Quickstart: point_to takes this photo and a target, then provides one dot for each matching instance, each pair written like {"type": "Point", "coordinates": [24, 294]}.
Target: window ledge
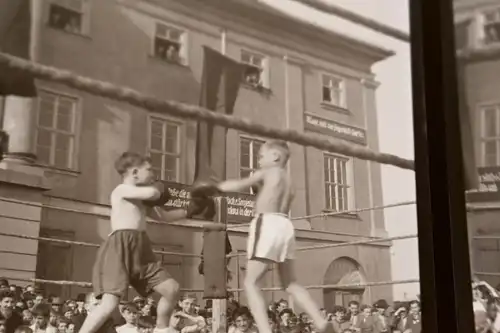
{"type": "Point", "coordinates": [260, 89]}
{"type": "Point", "coordinates": [77, 34]}
{"type": "Point", "coordinates": [61, 171]}
{"type": "Point", "coordinates": [333, 107]}
{"type": "Point", "coordinates": [167, 62]}
{"type": "Point", "coordinates": [352, 216]}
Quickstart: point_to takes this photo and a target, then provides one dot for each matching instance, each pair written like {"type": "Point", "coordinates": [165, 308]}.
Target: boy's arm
{"type": "Point", "coordinates": [236, 185]}
{"type": "Point", "coordinates": [138, 192]}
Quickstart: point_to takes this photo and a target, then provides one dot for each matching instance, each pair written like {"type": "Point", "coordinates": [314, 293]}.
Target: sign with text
{"type": "Point", "coordinates": [240, 206]}
{"type": "Point", "coordinates": [333, 128]}
{"type": "Point", "coordinates": [489, 186]}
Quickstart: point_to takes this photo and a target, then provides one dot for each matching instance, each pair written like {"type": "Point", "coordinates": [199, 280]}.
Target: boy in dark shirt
{"type": "Point", "coordinates": [12, 319]}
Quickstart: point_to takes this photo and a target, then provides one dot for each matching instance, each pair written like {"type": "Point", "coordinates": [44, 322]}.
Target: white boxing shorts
{"type": "Point", "coordinates": [271, 236]}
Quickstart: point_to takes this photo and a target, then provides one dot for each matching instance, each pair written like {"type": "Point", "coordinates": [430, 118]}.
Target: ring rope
{"type": "Point", "coordinates": [342, 244]}
{"type": "Point", "coordinates": [71, 210]}
{"type": "Point", "coordinates": [64, 241]}
{"type": "Point", "coordinates": [82, 284]}
{"type": "Point", "coordinates": [319, 286]}
{"type": "Point", "coordinates": [343, 212]}
{"type": "Point", "coordinates": [186, 111]}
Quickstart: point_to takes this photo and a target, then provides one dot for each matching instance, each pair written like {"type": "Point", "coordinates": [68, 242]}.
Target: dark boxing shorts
{"type": "Point", "coordinates": [126, 259]}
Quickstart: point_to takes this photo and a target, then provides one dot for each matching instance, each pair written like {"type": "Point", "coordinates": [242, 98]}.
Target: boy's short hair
{"type": "Point", "coordinates": [129, 160]}
{"type": "Point", "coordinates": [6, 294]}
{"type": "Point", "coordinates": [130, 307]}
{"type": "Point", "coordinates": [282, 147]}
{"type": "Point", "coordinates": [242, 311]}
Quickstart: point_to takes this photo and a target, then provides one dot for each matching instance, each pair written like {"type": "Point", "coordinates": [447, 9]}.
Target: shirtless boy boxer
{"type": "Point", "coordinates": [272, 235]}
{"type": "Point", "coordinates": [126, 257]}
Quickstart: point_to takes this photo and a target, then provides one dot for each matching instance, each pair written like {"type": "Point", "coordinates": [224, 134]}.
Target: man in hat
{"type": "Point", "coordinates": [56, 305]}
{"type": "Point", "coordinates": [382, 322]}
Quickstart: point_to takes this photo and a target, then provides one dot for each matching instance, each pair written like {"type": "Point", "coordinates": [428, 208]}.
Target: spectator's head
{"type": "Point", "coordinates": [4, 284]}
{"type": "Point", "coordinates": [80, 301]}
{"type": "Point", "coordinates": [139, 301]}
{"type": "Point", "coordinates": [39, 298]}
{"type": "Point", "coordinates": [6, 303]}
{"type": "Point", "coordinates": [30, 289]}
{"type": "Point", "coordinates": [366, 310]}
{"type": "Point", "coordinates": [57, 304]}
{"type": "Point", "coordinates": [150, 301]}
{"type": "Point", "coordinates": [29, 299]}
{"type": "Point", "coordinates": [353, 307]}
{"type": "Point", "coordinates": [339, 313]}
{"type": "Point", "coordinates": [197, 308]}
{"type": "Point", "coordinates": [187, 303]}
{"type": "Point", "coordinates": [62, 325]}
{"type": "Point", "coordinates": [281, 305]}
{"type": "Point", "coordinates": [415, 307]}
{"type": "Point", "coordinates": [20, 306]}
{"type": "Point", "coordinates": [323, 312]}
{"type": "Point", "coordinates": [208, 317]}
{"type": "Point", "coordinates": [242, 319]}
{"type": "Point", "coordinates": [304, 318]}
{"type": "Point", "coordinates": [68, 313]}
{"type": "Point", "coordinates": [41, 314]}
{"type": "Point", "coordinates": [177, 319]}
{"type": "Point", "coordinates": [273, 320]}
{"type": "Point", "coordinates": [71, 304]}
{"type": "Point", "coordinates": [286, 317]}
{"type": "Point", "coordinates": [27, 317]}
{"type": "Point", "coordinates": [91, 302]}
{"type": "Point", "coordinates": [71, 328]}
{"type": "Point", "coordinates": [23, 329]}
{"type": "Point", "coordinates": [3, 323]}
{"type": "Point", "coordinates": [380, 306]}
{"type": "Point", "coordinates": [53, 318]}
{"type": "Point", "coordinates": [130, 312]}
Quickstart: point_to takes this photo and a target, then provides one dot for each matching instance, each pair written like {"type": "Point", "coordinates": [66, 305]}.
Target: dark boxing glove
{"type": "Point", "coordinates": [162, 200]}
{"type": "Point", "coordinates": [204, 189]}
{"type": "Point", "coordinates": [201, 207]}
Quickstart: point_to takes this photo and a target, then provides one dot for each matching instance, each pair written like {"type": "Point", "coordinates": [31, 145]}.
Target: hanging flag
{"type": "Point", "coordinates": [219, 89]}
{"type": "Point", "coordinates": [15, 39]}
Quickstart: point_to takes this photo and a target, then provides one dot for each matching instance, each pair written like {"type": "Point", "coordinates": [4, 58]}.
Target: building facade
{"type": "Point", "coordinates": [478, 44]}
{"type": "Point", "coordinates": [297, 76]}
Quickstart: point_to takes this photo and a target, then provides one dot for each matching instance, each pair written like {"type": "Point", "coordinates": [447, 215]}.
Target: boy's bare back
{"type": "Point", "coordinates": [275, 194]}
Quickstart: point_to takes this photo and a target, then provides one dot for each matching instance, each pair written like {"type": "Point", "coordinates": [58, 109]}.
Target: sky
{"type": "Point", "coordinates": [395, 126]}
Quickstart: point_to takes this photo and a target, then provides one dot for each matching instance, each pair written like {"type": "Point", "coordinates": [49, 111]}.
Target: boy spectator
{"type": "Point", "coordinates": [12, 319]}
{"type": "Point", "coordinates": [129, 312]}
{"type": "Point", "coordinates": [41, 314]}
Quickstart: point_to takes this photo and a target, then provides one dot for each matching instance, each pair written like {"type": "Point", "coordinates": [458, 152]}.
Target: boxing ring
{"type": "Point", "coordinates": [192, 112]}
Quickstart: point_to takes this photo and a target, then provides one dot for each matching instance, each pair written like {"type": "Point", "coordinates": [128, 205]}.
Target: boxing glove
{"type": "Point", "coordinates": [204, 189]}
{"type": "Point", "coordinates": [162, 200]}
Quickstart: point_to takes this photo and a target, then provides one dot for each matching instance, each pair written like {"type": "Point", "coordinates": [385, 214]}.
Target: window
{"type": "Point", "coordinates": [249, 156]}
{"type": "Point", "coordinates": [492, 26]}
{"type": "Point", "coordinates": [164, 148]}
{"type": "Point", "coordinates": [256, 71]}
{"type": "Point", "coordinates": [337, 183]}
{"type": "Point", "coordinates": [490, 136]}
{"type": "Point", "coordinates": [170, 44]}
{"type": "Point", "coordinates": [55, 131]}
{"type": "Point", "coordinates": [333, 90]}
{"type": "Point", "coordinates": [69, 15]}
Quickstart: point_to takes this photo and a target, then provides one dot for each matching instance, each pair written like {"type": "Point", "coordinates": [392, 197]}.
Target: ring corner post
{"type": "Point", "coordinates": [215, 261]}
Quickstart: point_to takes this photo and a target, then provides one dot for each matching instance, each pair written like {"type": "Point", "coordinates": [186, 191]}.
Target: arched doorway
{"type": "Point", "coordinates": [343, 271]}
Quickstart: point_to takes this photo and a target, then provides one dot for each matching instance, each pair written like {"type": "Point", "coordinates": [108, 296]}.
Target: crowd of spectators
{"type": "Point", "coordinates": [27, 310]}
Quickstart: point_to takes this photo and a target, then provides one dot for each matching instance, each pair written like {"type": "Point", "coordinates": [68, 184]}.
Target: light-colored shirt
{"type": "Point", "coordinates": [127, 329]}
{"type": "Point", "coordinates": [48, 329]}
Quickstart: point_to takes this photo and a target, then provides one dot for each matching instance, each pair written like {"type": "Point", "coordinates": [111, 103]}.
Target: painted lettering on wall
{"type": "Point", "coordinates": [240, 206]}
{"type": "Point", "coordinates": [333, 128]}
